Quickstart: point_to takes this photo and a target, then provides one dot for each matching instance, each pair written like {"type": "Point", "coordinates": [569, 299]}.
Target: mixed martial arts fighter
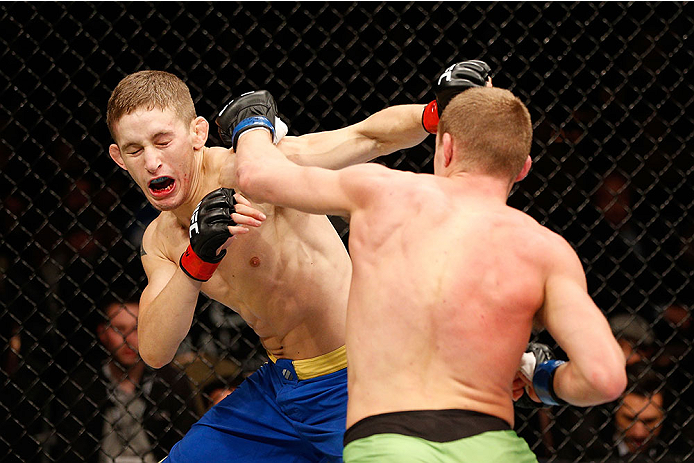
{"type": "Point", "coordinates": [447, 283]}
{"type": "Point", "coordinates": [289, 279]}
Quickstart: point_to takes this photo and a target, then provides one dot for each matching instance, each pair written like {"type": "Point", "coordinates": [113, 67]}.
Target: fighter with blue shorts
{"type": "Point", "coordinates": [294, 410]}
{"type": "Point", "coordinates": [289, 278]}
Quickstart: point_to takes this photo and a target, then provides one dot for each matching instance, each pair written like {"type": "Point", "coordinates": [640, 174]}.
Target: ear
{"type": "Point", "coordinates": [524, 171]}
{"type": "Point", "coordinates": [447, 141]}
{"type": "Point", "coordinates": [115, 153]}
{"type": "Point", "coordinates": [201, 129]}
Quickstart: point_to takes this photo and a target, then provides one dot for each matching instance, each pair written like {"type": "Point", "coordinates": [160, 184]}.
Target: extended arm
{"type": "Point", "coordinates": [265, 175]}
{"type": "Point", "coordinates": [385, 132]}
{"type": "Point", "coordinates": [595, 372]}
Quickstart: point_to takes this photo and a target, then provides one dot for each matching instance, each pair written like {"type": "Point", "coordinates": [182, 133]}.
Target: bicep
{"type": "Point", "coordinates": [322, 191]}
{"type": "Point", "coordinates": [569, 313]}
{"type": "Point", "coordinates": [265, 175]}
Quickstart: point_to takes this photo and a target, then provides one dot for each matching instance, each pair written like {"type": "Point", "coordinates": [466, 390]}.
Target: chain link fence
{"type": "Point", "coordinates": [608, 88]}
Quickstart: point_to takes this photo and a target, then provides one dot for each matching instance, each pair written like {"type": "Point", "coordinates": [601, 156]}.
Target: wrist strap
{"type": "Point", "coordinates": [249, 123]}
{"type": "Point", "coordinates": [430, 117]}
{"type": "Point", "coordinates": [543, 382]}
{"type": "Point", "coordinates": [195, 267]}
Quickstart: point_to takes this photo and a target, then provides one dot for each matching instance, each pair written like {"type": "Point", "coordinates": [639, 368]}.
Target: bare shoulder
{"type": "Point", "coordinates": [372, 180]}
{"type": "Point", "coordinates": [559, 254]}
{"type": "Point", "coordinates": [373, 170]}
{"type": "Point", "coordinates": [542, 242]}
{"type": "Point", "coordinates": [216, 157]}
{"type": "Point", "coordinates": [162, 234]}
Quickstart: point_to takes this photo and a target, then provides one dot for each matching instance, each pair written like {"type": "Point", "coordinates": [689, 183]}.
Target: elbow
{"type": "Point", "coordinates": [609, 382]}
{"type": "Point", "coordinates": [244, 177]}
{"type": "Point", "coordinates": [246, 180]}
{"type": "Point", "coordinates": [153, 357]}
{"type": "Point", "coordinates": [154, 360]}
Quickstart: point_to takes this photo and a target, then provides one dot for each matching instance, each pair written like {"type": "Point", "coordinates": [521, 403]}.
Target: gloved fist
{"type": "Point", "coordinates": [454, 80]}
{"type": "Point", "coordinates": [250, 111]}
{"type": "Point", "coordinates": [458, 78]}
{"type": "Point", "coordinates": [535, 354]}
{"type": "Point", "coordinates": [208, 232]}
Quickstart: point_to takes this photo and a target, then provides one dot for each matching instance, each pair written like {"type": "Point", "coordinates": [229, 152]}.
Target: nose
{"type": "Point", "coordinates": [132, 340]}
{"type": "Point", "coordinates": [152, 159]}
{"type": "Point", "coordinates": [640, 430]}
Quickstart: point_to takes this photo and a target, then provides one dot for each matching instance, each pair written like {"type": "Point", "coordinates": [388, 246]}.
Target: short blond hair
{"type": "Point", "coordinates": [149, 90]}
{"type": "Point", "coordinates": [492, 127]}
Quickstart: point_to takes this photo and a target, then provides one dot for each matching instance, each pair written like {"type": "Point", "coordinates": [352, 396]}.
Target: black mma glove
{"type": "Point", "coordinates": [208, 231]}
{"type": "Point", "coordinates": [537, 362]}
{"type": "Point", "coordinates": [251, 110]}
{"type": "Point", "coordinates": [454, 80]}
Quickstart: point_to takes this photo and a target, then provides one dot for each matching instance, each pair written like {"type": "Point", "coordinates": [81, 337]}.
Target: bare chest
{"type": "Point", "coordinates": [276, 274]}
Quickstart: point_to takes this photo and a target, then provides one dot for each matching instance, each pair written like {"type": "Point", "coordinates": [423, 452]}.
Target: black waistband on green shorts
{"type": "Point", "coordinates": [432, 425]}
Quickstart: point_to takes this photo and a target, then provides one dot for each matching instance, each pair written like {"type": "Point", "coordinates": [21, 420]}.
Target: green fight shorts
{"type": "Point", "coordinates": [434, 436]}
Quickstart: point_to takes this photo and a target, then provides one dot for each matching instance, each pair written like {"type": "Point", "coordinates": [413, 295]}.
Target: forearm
{"type": "Point", "coordinates": [395, 128]}
{"type": "Point", "coordinates": [267, 176]}
{"type": "Point", "coordinates": [602, 382]}
{"type": "Point", "coordinates": [165, 320]}
{"type": "Point", "coordinates": [387, 131]}
{"type": "Point", "coordinates": [596, 371]}
{"type": "Point", "coordinates": [259, 167]}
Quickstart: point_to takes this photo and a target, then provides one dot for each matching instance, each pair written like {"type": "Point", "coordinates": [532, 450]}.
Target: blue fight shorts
{"type": "Point", "coordinates": [288, 411]}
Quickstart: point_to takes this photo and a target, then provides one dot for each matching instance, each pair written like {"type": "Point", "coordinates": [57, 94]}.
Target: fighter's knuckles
{"type": "Point", "coordinates": [251, 110]}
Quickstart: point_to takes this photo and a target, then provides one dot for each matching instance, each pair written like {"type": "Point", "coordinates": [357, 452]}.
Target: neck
{"type": "Point", "coordinates": [485, 186]}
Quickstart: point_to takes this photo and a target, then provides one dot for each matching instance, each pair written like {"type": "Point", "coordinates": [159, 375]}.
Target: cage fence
{"type": "Point", "coordinates": [608, 88]}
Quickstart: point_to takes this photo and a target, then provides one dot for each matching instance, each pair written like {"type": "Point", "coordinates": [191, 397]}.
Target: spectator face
{"type": "Point", "coordinates": [120, 335]}
{"type": "Point", "coordinates": [633, 355]}
{"type": "Point", "coordinates": [639, 420]}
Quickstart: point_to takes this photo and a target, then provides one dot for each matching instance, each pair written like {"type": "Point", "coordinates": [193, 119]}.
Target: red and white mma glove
{"type": "Point", "coordinates": [208, 231]}
{"type": "Point", "coordinates": [454, 80]}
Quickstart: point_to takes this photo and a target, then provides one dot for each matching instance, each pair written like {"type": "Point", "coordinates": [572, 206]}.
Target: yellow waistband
{"type": "Point", "coordinates": [318, 366]}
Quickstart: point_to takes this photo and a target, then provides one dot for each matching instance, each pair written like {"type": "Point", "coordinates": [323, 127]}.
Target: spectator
{"type": "Point", "coordinates": [676, 329]}
{"type": "Point", "coordinates": [635, 335]}
{"type": "Point", "coordinates": [642, 426]}
{"type": "Point", "coordinates": [124, 412]}
{"type": "Point", "coordinates": [216, 390]}
{"type": "Point", "coordinates": [639, 418]}
{"type": "Point", "coordinates": [676, 362]}
{"type": "Point", "coordinates": [586, 433]}
{"type": "Point", "coordinates": [619, 248]}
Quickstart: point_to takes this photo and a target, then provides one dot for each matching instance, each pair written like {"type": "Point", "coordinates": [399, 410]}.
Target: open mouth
{"type": "Point", "coordinates": [161, 185]}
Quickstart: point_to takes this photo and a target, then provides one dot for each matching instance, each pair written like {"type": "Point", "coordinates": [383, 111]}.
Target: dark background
{"type": "Point", "coordinates": [608, 86]}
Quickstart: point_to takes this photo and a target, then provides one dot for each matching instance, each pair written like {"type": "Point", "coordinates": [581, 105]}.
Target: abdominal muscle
{"type": "Point", "coordinates": [292, 290]}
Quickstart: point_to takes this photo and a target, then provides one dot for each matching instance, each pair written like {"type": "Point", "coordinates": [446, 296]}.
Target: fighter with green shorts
{"type": "Point", "coordinates": [429, 436]}
{"type": "Point", "coordinates": [448, 282]}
